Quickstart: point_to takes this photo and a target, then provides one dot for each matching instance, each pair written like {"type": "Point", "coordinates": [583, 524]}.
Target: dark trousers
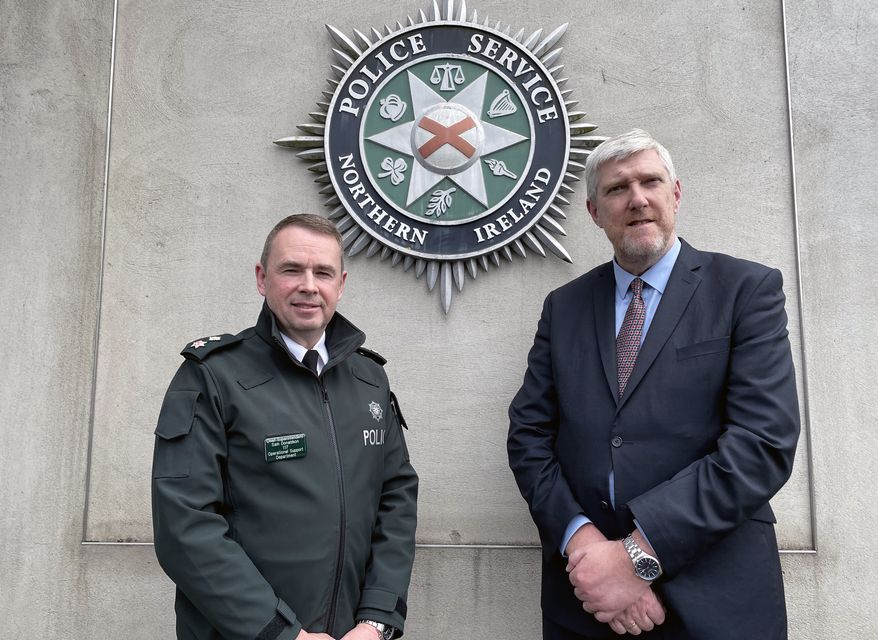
{"type": "Point", "coordinates": [552, 631]}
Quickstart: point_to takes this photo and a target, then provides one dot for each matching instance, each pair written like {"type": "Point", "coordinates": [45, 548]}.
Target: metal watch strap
{"type": "Point", "coordinates": [385, 630]}
{"type": "Point", "coordinates": [635, 553]}
{"type": "Point", "coordinates": [632, 548]}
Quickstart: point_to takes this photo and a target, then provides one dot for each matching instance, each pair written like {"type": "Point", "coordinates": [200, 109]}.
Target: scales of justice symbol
{"type": "Point", "coordinates": [442, 74]}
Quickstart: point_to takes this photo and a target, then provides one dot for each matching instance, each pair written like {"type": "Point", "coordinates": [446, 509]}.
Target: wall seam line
{"type": "Point", "coordinates": [100, 294]}
{"type": "Point", "coordinates": [806, 404]}
{"type": "Point", "coordinates": [425, 545]}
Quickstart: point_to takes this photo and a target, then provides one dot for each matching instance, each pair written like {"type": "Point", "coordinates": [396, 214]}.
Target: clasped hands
{"type": "Point", "coordinates": [360, 632]}
{"type": "Point", "coordinates": [603, 579]}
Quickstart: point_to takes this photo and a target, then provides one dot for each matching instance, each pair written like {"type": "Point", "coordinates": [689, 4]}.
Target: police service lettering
{"type": "Point", "coordinates": [539, 94]}
{"type": "Point", "coordinates": [532, 82]}
{"type": "Point", "coordinates": [373, 437]}
{"type": "Point", "coordinates": [359, 89]}
{"type": "Point", "coordinates": [513, 216]}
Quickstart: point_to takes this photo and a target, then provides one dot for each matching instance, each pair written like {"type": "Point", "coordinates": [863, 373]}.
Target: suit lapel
{"type": "Point", "coordinates": [605, 323]}
{"type": "Point", "coordinates": [681, 286]}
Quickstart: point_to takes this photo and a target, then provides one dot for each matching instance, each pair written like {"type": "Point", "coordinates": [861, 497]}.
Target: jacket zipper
{"type": "Point", "coordinates": [333, 436]}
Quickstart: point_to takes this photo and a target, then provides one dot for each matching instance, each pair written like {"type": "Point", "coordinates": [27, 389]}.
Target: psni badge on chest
{"type": "Point", "coordinates": [286, 447]}
{"type": "Point", "coordinates": [374, 436]}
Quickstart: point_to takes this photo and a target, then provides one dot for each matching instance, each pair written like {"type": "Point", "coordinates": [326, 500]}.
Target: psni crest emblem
{"type": "Point", "coordinates": [447, 145]}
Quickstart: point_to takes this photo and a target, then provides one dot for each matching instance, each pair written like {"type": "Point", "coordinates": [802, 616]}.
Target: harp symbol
{"type": "Point", "coordinates": [502, 105]}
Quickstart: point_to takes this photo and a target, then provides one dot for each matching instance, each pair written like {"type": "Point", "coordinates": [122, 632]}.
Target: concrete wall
{"type": "Point", "coordinates": [98, 300]}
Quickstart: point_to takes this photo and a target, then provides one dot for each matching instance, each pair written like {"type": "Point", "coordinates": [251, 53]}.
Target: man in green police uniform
{"type": "Point", "coordinates": [284, 503]}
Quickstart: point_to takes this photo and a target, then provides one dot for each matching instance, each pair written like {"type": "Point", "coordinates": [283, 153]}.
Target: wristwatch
{"type": "Point", "coordinates": [646, 566]}
{"type": "Point", "coordinates": [385, 630]}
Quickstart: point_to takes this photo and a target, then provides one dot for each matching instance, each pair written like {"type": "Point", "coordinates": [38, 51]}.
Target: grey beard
{"type": "Point", "coordinates": [648, 253]}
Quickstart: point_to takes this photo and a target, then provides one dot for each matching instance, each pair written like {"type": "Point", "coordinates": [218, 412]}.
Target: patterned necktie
{"type": "Point", "coordinates": [628, 340]}
{"type": "Point", "coordinates": [310, 360]}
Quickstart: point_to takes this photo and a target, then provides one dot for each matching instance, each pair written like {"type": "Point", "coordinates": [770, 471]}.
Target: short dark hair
{"type": "Point", "coordinates": [306, 221]}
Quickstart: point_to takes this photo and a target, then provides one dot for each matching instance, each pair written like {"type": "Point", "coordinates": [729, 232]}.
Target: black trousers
{"type": "Point", "coordinates": [552, 631]}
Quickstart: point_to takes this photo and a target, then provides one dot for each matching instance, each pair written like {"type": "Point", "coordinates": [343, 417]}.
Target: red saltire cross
{"type": "Point", "coordinates": [446, 135]}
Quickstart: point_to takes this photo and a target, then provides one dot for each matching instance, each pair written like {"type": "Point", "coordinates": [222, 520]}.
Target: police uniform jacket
{"type": "Point", "coordinates": [282, 500]}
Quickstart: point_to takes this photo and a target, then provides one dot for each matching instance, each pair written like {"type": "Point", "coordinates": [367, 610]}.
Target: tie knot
{"type": "Point", "coordinates": [637, 286]}
{"type": "Point", "coordinates": [310, 360]}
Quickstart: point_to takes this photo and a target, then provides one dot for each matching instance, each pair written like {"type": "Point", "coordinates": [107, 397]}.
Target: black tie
{"type": "Point", "coordinates": [310, 360]}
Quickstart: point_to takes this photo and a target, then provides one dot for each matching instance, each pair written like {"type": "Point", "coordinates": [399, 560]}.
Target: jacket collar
{"type": "Point", "coordinates": [342, 336]}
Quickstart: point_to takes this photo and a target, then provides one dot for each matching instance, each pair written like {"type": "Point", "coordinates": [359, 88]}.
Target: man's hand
{"type": "Point", "coordinates": [585, 535]}
{"type": "Point", "coordinates": [644, 615]}
{"type": "Point", "coordinates": [603, 577]}
{"type": "Point", "coordinates": [304, 635]}
{"type": "Point", "coordinates": [363, 631]}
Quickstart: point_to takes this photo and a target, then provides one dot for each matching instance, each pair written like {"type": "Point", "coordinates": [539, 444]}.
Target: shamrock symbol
{"type": "Point", "coordinates": [394, 168]}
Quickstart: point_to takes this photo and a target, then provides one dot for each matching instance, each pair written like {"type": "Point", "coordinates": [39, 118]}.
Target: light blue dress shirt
{"type": "Point", "coordinates": [655, 280]}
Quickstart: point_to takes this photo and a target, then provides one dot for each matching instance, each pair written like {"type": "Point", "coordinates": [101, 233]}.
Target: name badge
{"type": "Point", "coordinates": [278, 448]}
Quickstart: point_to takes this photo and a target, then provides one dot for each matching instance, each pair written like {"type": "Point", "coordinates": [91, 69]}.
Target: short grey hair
{"type": "Point", "coordinates": [621, 147]}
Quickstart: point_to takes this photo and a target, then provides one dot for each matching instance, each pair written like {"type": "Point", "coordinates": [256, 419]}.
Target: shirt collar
{"type": "Point", "coordinates": [299, 351]}
{"type": "Point", "coordinates": [656, 276]}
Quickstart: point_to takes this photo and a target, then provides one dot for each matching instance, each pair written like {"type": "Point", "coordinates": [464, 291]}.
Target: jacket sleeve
{"type": "Point", "coordinates": [708, 499]}
{"type": "Point", "coordinates": [533, 429]}
{"type": "Point", "coordinates": [192, 541]}
{"type": "Point", "coordinates": [388, 573]}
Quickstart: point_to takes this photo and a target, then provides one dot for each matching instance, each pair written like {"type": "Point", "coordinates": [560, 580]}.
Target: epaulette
{"type": "Point", "coordinates": [202, 348]}
{"type": "Point", "coordinates": [377, 357]}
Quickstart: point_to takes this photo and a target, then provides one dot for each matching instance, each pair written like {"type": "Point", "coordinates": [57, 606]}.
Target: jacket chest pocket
{"type": "Point", "coordinates": [703, 348]}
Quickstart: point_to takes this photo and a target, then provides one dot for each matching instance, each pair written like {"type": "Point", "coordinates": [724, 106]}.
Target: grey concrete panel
{"type": "Point", "coordinates": [54, 68]}
{"type": "Point", "coordinates": [833, 57]}
{"type": "Point", "coordinates": [478, 594]}
{"type": "Point", "coordinates": [485, 594]}
{"type": "Point", "coordinates": [475, 593]}
{"type": "Point", "coordinates": [117, 591]}
{"type": "Point", "coordinates": [195, 185]}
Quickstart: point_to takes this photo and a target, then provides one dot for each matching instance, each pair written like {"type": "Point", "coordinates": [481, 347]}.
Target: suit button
{"type": "Point", "coordinates": [604, 505]}
{"type": "Point", "coordinates": [616, 441]}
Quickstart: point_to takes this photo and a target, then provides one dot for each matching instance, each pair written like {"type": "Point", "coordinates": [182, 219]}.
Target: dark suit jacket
{"type": "Point", "coordinates": [704, 435]}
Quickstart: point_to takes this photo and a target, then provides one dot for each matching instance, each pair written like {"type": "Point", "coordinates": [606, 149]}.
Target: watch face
{"type": "Point", "coordinates": [647, 568]}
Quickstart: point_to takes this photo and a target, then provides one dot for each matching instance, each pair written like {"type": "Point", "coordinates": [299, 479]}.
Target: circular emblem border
{"type": "Point", "coordinates": [473, 237]}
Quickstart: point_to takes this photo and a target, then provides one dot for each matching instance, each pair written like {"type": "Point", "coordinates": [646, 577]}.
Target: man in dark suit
{"type": "Point", "coordinates": [657, 417]}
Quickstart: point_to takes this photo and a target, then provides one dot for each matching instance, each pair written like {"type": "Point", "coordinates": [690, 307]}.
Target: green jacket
{"type": "Point", "coordinates": [281, 500]}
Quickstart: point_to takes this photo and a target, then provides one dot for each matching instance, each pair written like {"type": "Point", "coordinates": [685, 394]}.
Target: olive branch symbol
{"type": "Point", "coordinates": [440, 200]}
